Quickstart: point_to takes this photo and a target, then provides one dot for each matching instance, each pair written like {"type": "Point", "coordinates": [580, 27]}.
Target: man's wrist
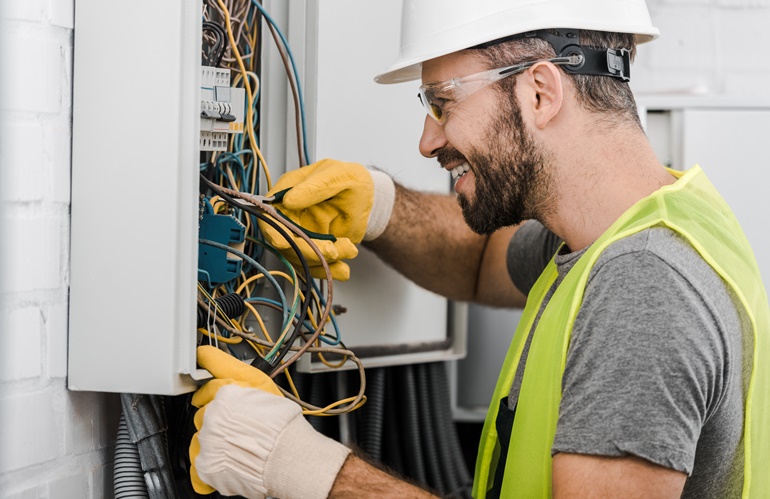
{"type": "Point", "coordinates": [382, 207]}
{"type": "Point", "coordinates": [304, 463]}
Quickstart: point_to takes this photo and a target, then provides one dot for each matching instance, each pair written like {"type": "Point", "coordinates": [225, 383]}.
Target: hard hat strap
{"type": "Point", "coordinates": [596, 61]}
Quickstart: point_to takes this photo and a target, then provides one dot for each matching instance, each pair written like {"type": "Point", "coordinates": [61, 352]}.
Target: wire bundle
{"type": "Point", "coordinates": [230, 180]}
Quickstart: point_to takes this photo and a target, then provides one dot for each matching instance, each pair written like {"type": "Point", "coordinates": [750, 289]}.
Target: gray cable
{"type": "Point", "coordinates": [146, 423]}
{"type": "Point", "coordinates": [128, 478]}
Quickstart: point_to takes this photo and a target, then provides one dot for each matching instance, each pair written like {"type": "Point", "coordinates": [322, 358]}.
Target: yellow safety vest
{"type": "Point", "coordinates": [691, 207]}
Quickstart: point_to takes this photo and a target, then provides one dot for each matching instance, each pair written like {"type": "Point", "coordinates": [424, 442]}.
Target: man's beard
{"type": "Point", "coordinates": [511, 176]}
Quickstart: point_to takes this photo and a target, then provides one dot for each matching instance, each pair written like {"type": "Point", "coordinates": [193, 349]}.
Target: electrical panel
{"type": "Point", "coordinates": [156, 254]}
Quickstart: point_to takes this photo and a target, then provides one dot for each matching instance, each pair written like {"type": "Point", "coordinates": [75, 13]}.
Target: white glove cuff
{"type": "Point", "coordinates": [382, 207]}
{"type": "Point", "coordinates": [304, 463]}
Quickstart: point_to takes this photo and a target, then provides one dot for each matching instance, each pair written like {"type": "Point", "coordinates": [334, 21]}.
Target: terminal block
{"type": "Point", "coordinates": [217, 265]}
{"type": "Point", "coordinates": [222, 109]}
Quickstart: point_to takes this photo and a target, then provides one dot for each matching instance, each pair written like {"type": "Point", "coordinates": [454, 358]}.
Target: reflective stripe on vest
{"type": "Point", "coordinates": [691, 207]}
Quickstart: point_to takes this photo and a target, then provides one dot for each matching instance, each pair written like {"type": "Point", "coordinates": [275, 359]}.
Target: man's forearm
{"type": "Point", "coordinates": [428, 241]}
{"type": "Point", "coordinates": [358, 479]}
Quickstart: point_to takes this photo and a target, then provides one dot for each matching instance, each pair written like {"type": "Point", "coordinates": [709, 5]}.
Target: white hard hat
{"type": "Point", "coordinates": [432, 28]}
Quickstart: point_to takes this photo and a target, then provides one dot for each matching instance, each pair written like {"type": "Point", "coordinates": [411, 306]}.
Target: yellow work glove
{"type": "Point", "coordinates": [253, 442]}
{"type": "Point", "coordinates": [332, 197]}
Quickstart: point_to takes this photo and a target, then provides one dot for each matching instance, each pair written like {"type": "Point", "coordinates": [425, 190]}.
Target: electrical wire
{"type": "Point", "coordinates": [260, 209]}
{"type": "Point", "coordinates": [219, 46]}
{"type": "Point", "coordinates": [232, 40]}
{"type": "Point", "coordinates": [249, 93]}
{"type": "Point", "coordinates": [300, 100]}
{"type": "Point", "coordinates": [252, 262]}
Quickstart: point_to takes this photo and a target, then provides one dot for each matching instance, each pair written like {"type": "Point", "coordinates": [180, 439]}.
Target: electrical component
{"type": "Point", "coordinates": [215, 265]}
{"type": "Point", "coordinates": [231, 305]}
{"type": "Point", "coordinates": [222, 109]}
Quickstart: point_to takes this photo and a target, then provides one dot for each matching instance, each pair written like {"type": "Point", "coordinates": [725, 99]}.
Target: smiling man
{"type": "Point", "coordinates": [633, 372]}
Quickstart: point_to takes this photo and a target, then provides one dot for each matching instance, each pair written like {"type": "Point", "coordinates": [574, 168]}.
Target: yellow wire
{"type": "Point", "coordinates": [291, 383]}
{"type": "Point", "coordinates": [216, 200]}
{"type": "Point", "coordinates": [333, 366]}
{"type": "Point", "coordinates": [249, 94]}
{"type": "Point", "coordinates": [249, 281]}
{"type": "Point", "coordinates": [259, 320]}
{"type": "Point", "coordinates": [297, 293]}
{"type": "Point", "coordinates": [235, 183]}
{"type": "Point", "coordinates": [245, 282]}
{"type": "Point", "coordinates": [234, 340]}
{"type": "Point", "coordinates": [272, 272]}
{"type": "Point", "coordinates": [255, 148]}
{"type": "Point", "coordinates": [256, 347]}
{"type": "Point", "coordinates": [320, 412]}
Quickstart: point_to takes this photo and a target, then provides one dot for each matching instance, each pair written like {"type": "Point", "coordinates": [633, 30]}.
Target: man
{"type": "Point", "coordinates": [634, 370]}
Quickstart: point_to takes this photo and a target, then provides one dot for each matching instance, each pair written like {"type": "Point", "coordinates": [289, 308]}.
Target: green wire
{"type": "Point", "coordinates": [296, 303]}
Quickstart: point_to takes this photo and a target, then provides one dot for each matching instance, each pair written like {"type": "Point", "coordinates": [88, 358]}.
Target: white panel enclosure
{"type": "Point", "coordinates": [134, 196]}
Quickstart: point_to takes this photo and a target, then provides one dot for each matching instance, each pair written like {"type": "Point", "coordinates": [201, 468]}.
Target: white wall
{"type": "Point", "coordinates": [57, 444]}
{"type": "Point", "coordinates": [707, 47]}
{"type": "Point", "coordinates": [53, 443]}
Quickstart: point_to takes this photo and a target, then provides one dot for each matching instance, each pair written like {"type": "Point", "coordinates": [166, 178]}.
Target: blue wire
{"type": "Point", "coordinates": [296, 78]}
{"type": "Point", "coordinates": [207, 208]}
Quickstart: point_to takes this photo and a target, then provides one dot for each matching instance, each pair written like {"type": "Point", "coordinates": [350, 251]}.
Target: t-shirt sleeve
{"type": "Point", "coordinates": [530, 250]}
{"type": "Point", "coordinates": [645, 364]}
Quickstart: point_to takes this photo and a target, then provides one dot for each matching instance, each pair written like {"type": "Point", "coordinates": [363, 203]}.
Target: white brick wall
{"type": "Point", "coordinates": [53, 443]}
{"type": "Point", "coordinates": [58, 444]}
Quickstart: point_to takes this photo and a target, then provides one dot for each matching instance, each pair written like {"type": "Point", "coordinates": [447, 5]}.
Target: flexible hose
{"type": "Point", "coordinates": [374, 412]}
{"type": "Point", "coordinates": [444, 426]}
{"type": "Point", "coordinates": [393, 448]}
{"type": "Point", "coordinates": [411, 427]}
{"type": "Point", "coordinates": [146, 423]}
{"type": "Point", "coordinates": [442, 405]}
{"type": "Point", "coordinates": [318, 395]}
{"type": "Point", "coordinates": [428, 431]}
{"type": "Point", "coordinates": [128, 478]}
{"type": "Point", "coordinates": [231, 304]}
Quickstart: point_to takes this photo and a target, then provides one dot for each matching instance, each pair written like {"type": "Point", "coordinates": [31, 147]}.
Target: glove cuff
{"type": "Point", "coordinates": [304, 463]}
{"type": "Point", "coordinates": [382, 206]}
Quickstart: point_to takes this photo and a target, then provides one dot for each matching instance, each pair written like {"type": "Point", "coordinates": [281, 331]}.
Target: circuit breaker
{"type": "Point", "coordinates": [221, 109]}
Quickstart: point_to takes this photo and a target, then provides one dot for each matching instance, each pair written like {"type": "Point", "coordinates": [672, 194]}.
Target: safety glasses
{"type": "Point", "coordinates": [440, 98]}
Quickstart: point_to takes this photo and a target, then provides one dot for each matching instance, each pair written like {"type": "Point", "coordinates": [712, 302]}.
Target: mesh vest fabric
{"type": "Point", "coordinates": [691, 207]}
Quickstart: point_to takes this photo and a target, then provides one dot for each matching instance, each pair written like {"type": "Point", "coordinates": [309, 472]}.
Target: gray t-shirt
{"type": "Point", "coordinates": [655, 363]}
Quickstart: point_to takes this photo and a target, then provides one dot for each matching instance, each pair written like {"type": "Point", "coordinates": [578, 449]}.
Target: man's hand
{"type": "Point", "coordinates": [332, 197]}
{"type": "Point", "coordinates": [253, 442]}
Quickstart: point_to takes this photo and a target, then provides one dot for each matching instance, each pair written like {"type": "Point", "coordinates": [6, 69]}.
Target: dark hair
{"type": "Point", "coordinates": [605, 95]}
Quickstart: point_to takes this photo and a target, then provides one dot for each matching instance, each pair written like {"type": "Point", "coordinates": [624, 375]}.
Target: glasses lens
{"type": "Point", "coordinates": [433, 109]}
{"type": "Point", "coordinates": [437, 112]}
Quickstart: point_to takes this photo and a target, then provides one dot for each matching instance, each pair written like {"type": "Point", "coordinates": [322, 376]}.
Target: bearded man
{"type": "Point", "coordinates": [633, 371]}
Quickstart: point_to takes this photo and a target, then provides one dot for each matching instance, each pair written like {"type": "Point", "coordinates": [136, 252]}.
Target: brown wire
{"type": "Point", "coordinates": [294, 92]}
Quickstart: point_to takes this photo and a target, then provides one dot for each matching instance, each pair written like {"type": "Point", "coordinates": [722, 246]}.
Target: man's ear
{"type": "Point", "coordinates": [547, 92]}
